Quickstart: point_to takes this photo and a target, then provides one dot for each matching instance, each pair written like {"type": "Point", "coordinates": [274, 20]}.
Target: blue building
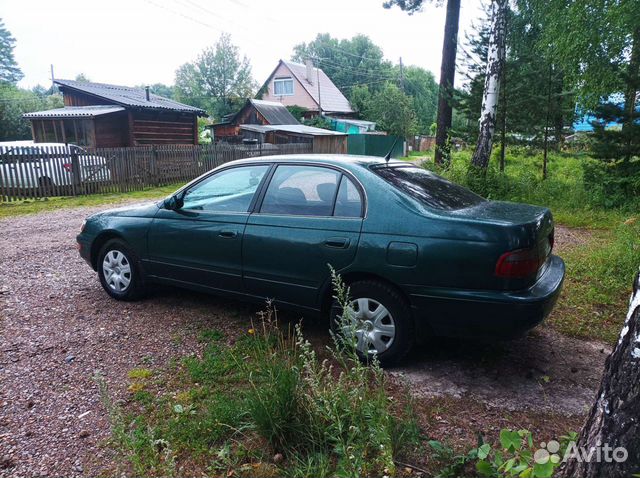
{"type": "Point", "coordinates": [582, 123]}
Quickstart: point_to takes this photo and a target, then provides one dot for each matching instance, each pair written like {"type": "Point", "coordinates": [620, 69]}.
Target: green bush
{"type": "Point", "coordinates": [612, 184]}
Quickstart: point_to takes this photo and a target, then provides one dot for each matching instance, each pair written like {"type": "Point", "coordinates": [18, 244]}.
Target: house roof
{"type": "Point", "coordinates": [274, 112]}
{"type": "Point", "coordinates": [75, 112]}
{"type": "Point", "coordinates": [329, 97]}
{"type": "Point", "coordinates": [353, 121]}
{"type": "Point", "coordinates": [291, 128]}
{"type": "Point", "coordinates": [128, 96]}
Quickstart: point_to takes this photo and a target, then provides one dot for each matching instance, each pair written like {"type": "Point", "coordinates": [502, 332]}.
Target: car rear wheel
{"type": "Point", "coordinates": [379, 321]}
{"type": "Point", "coordinates": [119, 271]}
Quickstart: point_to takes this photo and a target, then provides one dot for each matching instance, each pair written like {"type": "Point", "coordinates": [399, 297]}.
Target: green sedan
{"type": "Point", "coordinates": [422, 256]}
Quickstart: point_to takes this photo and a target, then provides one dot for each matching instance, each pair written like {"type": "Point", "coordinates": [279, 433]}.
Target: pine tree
{"type": "Point", "coordinates": [9, 71]}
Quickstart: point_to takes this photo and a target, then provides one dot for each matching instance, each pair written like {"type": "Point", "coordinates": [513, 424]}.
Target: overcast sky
{"type": "Point", "coordinates": [132, 42]}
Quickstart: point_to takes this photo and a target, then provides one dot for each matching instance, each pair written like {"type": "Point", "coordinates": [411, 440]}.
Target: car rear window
{"type": "Point", "coordinates": [429, 188]}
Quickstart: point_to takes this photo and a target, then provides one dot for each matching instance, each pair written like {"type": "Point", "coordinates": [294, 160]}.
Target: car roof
{"type": "Point", "coordinates": [32, 144]}
{"type": "Point", "coordinates": [9, 144]}
{"type": "Point", "coordinates": [329, 159]}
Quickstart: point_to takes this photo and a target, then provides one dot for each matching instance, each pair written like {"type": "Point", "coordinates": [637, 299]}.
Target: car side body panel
{"type": "Point", "coordinates": [442, 262]}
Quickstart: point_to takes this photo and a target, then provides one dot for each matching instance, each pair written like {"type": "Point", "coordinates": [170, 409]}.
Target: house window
{"type": "Point", "coordinates": [75, 132]}
{"type": "Point", "coordinates": [283, 86]}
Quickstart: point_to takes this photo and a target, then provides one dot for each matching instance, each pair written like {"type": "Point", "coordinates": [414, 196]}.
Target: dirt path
{"type": "Point", "coordinates": [58, 329]}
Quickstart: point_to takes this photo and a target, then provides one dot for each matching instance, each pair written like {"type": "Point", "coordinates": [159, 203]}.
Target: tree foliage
{"type": "Point", "coordinates": [348, 62]}
{"type": "Point", "coordinates": [597, 45]}
{"type": "Point", "coordinates": [590, 39]}
{"type": "Point", "coordinates": [14, 102]}
{"type": "Point", "coordinates": [218, 81]}
{"type": "Point", "coordinates": [391, 109]}
{"type": "Point", "coordinates": [160, 89]}
{"type": "Point", "coordinates": [421, 87]}
{"type": "Point", "coordinates": [9, 71]}
{"type": "Point", "coordinates": [534, 94]}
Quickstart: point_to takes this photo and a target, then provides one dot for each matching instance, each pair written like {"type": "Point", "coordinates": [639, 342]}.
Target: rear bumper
{"type": "Point", "coordinates": [488, 314]}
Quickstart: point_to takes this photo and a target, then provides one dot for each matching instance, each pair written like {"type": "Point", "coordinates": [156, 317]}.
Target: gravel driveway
{"type": "Point", "coordinates": [58, 329]}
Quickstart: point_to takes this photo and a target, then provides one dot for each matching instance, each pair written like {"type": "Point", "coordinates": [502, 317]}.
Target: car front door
{"type": "Point", "coordinates": [309, 217]}
{"type": "Point", "coordinates": [201, 242]}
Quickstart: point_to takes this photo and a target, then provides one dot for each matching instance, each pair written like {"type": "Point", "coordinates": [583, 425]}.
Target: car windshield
{"type": "Point", "coordinates": [429, 188]}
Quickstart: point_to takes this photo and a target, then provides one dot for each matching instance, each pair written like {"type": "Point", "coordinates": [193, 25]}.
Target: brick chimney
{"type": "Point", "coordinates": [310, 72]}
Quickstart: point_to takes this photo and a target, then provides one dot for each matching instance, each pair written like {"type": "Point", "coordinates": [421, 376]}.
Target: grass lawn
{"type": "Point", "coordinates": [598, 283]}
{"type": "Point", "coordinates": [32, 206]}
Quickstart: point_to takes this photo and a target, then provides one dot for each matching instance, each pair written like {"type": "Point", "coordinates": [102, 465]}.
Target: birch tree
{"type": "Point", "coordinates": [495, 64]}
{"type": "Point", "coordinates": [613, 423]}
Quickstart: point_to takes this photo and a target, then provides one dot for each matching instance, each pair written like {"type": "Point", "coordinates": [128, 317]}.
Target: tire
{"type": "Point", "coordinates": [390, 336]}
{"type": "Point", "coordinates": [119, 271]}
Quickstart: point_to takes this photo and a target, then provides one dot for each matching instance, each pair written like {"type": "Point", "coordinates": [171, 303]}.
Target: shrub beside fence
{"type": "Point", "coordinates": [33, 171]}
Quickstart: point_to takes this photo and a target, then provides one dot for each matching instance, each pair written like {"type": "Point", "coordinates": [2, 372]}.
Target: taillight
{"type": "Point", "coordinates": [519, 264]}
{"type": "Point", "coordinates": [67, 167]}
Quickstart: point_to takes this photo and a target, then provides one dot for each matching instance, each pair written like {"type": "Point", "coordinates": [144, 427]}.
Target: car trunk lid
{"type": "Point", "coordinates": [529, 234]}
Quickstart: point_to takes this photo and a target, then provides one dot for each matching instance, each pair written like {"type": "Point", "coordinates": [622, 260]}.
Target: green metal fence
{"type": "Point", "coordinates": [374, 145]}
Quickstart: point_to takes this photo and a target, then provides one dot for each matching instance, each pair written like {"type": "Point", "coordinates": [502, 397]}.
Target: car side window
{"type": "Point", "coordinates": [301, 191]}
{"type": "Point", "coordinates": [348, 201]}
{"type": "Point", "coordinates": [230, 190]}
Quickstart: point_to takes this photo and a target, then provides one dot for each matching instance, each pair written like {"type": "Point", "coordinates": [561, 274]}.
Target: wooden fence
{"type": "Point", "coordinates": [33, 171]}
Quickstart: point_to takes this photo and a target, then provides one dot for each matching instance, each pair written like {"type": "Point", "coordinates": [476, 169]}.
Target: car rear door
{"type": "Point", "coordinates": [201, 243]}
{"type": "Point", "coordinates": [309, 217]}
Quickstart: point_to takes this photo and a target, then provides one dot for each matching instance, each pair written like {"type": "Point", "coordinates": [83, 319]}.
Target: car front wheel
{"type": "Point", "coordinates": [119, 271]}
{"type": "Point", "coordinates": [379, 322]}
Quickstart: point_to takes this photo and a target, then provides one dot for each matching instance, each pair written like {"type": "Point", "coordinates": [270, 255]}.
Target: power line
{"type": "Point", "coordinates": [190, 18]}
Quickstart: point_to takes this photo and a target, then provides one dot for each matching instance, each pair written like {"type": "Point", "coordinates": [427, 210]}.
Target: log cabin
{"type": "Point", "coordinates": [99, 115]}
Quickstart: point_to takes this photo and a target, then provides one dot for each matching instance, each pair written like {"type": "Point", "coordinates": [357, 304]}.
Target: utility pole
{"type": "Point", "coordinates": [53, 85]}
{"type": "Point", "coordinates": [319, 97]}
{"type": "Point", "coordinates": [401, 76]}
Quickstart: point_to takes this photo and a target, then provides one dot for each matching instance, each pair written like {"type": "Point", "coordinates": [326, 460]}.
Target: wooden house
{"type": "Point", "coordinates": [294, 84]}
{"type": "Point", "coordinates": [267, 123]}
{"type": "Point", "coordinates": [254, 112]}
{"type": "Point", "coordinates": [104, 116]}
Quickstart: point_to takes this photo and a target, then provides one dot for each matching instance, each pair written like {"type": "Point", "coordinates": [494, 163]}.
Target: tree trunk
{"type": "Point", "coordinates": [546, 126]}
{"type": "Point", "coordinates": [495, 63]}
{"type": "Point", "coordinates": [503, 132]}
{"type": "Point", "coordinates": [633, 83]}
{"type": "Point", "coordinates": [447, 77]}
{"type": "Point", "coordinates": [558, 117]}
{"type": "Point", "coordinates": [614, 419]}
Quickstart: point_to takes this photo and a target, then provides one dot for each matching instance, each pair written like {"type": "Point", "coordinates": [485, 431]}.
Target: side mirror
{"type": "Point", "coordinates": [173, 203]}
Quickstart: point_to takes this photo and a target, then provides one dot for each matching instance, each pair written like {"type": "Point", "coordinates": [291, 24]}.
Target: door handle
{"type": "Point", "coordinates": [337, 242]}
{"type": "Point", "coordinates": [228, 233]}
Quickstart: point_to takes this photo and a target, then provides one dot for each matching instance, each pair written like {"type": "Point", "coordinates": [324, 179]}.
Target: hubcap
{"type": "Point", "coordinates": [116, 270]}
{"type": "Point", "coordinates": [372, 325]}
